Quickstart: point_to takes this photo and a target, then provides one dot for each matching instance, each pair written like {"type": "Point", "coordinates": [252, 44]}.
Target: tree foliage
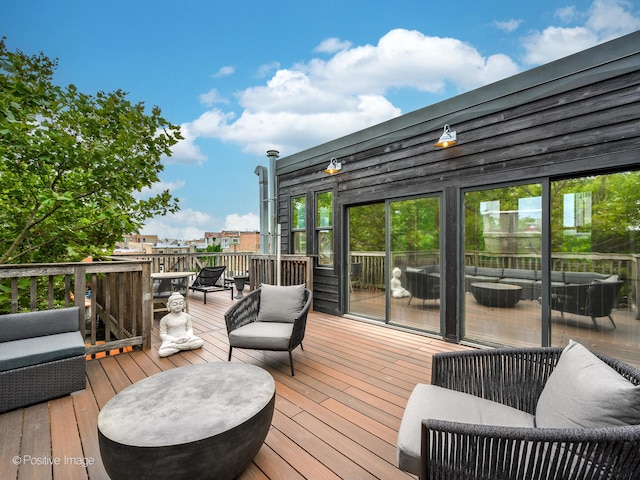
{"type": "Point", "coordinates": [73, 165]}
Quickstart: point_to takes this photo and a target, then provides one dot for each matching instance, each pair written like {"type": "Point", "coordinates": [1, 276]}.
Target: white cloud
{"type": "Point", "coordinates": [267, 68]}
{"type": "Point", "coordinates": [612, 18]}
{"type": "Point", "coordinates": [247, 222]}
{"type": "Point", "coordinates": [567, 14]}
{"type": "Point", "coordinates": [186, 152]}
{"type": "Point", "coordinates": [313, 102]}
{"type": "Point", "coordinates": [325, 98]}
{"type": "Point", "coordinates": [224, 72]}
{"type": "Point", "coordinates": [406, 59]}
{"type": "Point", "coordinates": [557, 42]}
{"type": "Point", "coordinates": [211, 98]}
{"type": "Point", "coordinates": [605, 20]}
{"type": "Point", "coordinates": [332, 45]}
{"type": "Point", "coordinates": [508, 25]}
{"type": "Point", "coordinates": [186, 224]}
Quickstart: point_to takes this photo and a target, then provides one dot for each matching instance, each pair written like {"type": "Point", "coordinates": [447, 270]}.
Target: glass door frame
{"type": "Point", "coordinates": [545, 254]}
{"type": "Point", "coordinates": [439, 195]}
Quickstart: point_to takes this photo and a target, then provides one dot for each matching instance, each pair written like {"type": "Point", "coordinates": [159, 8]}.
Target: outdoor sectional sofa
{"type": "Point", "coordinates": [527, 413]}
{"type": "Point", "coordinates": [531, 280]}
{"type": "Point", "coordinates": [582, 293]}
{"type": "Point", "coordinates": [42, 356]}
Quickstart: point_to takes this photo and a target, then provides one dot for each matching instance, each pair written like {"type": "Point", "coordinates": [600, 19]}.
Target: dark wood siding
{"type": "Point", "coordinates": [566, 126]}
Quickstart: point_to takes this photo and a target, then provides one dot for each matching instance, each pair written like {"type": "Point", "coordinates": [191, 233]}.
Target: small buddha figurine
{"type": "Point", "coordinates": [397, 290]}
{"type": "Point", "coordinates": [176, 331]}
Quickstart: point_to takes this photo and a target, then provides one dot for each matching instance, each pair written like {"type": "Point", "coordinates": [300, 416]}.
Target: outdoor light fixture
{"type": "Point", "coordinates": [447, 139]}
{"type": "Point", "coordinates": [334, 167]}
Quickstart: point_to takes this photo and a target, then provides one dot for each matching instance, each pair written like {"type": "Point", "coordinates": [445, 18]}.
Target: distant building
{"type": "Point", "coordinates": [173, 247]}
{"type": "Point", "coordinates": [234, 240]}
{"type": "Point", "coordinates": [137, 243]}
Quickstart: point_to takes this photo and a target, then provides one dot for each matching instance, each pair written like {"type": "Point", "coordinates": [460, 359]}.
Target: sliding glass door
{"type": "Point", "coordinates": [592, 278]}
{"type": "Point", "coordinates": [394, 262]}
{"type": "Point", "coordinates": [595, 242]}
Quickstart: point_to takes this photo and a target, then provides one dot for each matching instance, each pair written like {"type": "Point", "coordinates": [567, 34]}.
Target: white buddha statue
{"type": "Point", "coordinates": [397, 290]}
{"type": "Point", "coordinates": [176, 331]}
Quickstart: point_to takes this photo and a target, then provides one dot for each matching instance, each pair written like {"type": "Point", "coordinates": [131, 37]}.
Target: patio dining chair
{"type": "Point", "coordinates": [209, 280]}
{"type": "Point", "coordinates": [269, 318]}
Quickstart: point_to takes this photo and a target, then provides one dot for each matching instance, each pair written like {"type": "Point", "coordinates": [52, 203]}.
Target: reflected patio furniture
{"type": "Point", "coordinates": [595, 299]}
{"type": "Point", "coordinates": [492, 294]}
{"type": "Point", "coordinates": [166, 283]}
{"type": "Point", "coordinates": [355, 275]}
{"type": "Point", "coordinates": [423, 285]}
{"type": "Point", "coordinates": [271, 323]}
{"type": "Point", "coordinates": [209, 280]}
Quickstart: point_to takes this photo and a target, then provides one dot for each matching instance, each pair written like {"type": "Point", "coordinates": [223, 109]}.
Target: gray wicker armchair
{"type": "Point", "coordinates": [517, 378]}
{"type": "Point", "coordinates": [281, 328]}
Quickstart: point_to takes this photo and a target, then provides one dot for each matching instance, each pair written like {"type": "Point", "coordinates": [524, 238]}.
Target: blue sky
{"type": "Point", "coordinates": [244, 77]}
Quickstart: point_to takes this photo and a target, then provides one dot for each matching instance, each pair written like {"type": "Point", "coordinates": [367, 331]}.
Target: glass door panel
{"type": "Point", "coordinates": [595, 233]}
{"type": "Point", "coordinates": [503, 242]}
{"type": "Point", "coordinates": [414, 253]}
{"type": "Point", "coordinates": [366, 284]}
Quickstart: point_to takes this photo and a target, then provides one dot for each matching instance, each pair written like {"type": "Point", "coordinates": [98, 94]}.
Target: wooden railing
{"type": "Point", "coordinates": [294, 270]}
{"type": "Point", "coordinates": [236, 263]}
{"type": "Point", "coordinates": [114, 298]}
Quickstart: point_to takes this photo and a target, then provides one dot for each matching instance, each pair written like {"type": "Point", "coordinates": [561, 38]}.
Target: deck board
{"type": "Point", "coordinates": [337, 418]}
{"type": "Point", "coordinates": [11, 428]}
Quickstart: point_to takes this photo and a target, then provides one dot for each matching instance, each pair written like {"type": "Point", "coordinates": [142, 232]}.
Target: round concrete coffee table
{"type": "Point", "coordinates": [201, 421]}
{"type": "Point", "coordinates": [492, 294]}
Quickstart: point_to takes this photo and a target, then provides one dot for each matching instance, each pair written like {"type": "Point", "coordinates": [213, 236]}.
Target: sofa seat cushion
{"type": "Point", "coordinates": [262, 336]}
{"type": "Point", "coordinates": [522, 282]}
{"type": "Point", "coordinates": [583, 391]}
{"type": "Point", "coordinates": [437, 403]}
{"type": "Point", "coordinates": [38, 350]}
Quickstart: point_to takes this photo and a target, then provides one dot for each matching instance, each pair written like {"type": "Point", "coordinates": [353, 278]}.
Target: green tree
{"type": "Point", "coordinates": [73, 165]}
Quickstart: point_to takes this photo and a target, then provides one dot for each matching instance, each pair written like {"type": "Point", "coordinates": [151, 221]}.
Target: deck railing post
{"type": "Point", "coordinates": [147, 304]}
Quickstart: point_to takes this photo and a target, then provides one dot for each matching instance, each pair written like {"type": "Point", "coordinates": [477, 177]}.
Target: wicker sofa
{"type": "Point", "coordinates": [423, 284]}
{"type": "Point", "coordinates": [530, 280]}
{"type": "Point", "coordinates": [42, 356]}
{"type": "Point", "coordinates": [529, 413]}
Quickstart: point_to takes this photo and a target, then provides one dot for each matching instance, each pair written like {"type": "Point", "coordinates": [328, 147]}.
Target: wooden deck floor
{"type": "Point", "coordinates": [337, 418]}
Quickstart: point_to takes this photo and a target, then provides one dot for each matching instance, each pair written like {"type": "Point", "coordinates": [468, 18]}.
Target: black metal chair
{"type": "Point", "coordinates": [209, 280]}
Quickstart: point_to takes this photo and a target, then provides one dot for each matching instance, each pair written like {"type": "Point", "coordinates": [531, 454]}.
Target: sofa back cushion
{"type": "Point", "coordinates": [489, 272]}
{"type": "Point", "coordinates": [583, 391]}
{"type": "Point", "coordinates": [16, 326]}
{"type": "Point", "coordinates": [521, 273]}
{"type": "Point", "coordinates": [281, 303]}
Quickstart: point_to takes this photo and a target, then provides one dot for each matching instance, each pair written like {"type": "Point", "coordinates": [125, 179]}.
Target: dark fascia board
{"type": "Point", "coordinates": [606, 60]}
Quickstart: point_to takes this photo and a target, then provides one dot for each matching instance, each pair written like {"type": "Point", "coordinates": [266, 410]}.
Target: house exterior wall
{"type": "Point", "coordinates": [575, 116]}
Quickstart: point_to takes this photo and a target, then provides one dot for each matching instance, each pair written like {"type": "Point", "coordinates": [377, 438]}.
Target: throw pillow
{"type": "Point", "coordinates": [583, 391]}
{"type": "Point", "coordinates": [280, 304]}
